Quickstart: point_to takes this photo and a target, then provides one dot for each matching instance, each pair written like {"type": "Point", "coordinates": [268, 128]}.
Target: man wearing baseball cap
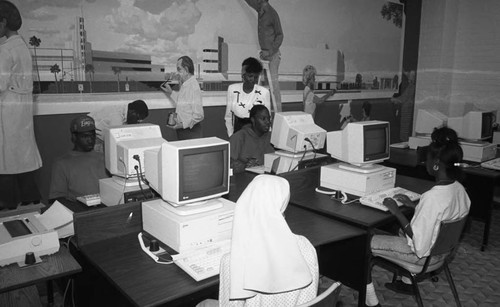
{"type": "Point", "coordinates": [77, 173]}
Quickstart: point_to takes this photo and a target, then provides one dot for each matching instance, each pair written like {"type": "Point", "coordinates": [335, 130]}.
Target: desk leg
{"type": "Point", "coordinates": [481, 191]}
{"type": "Point", "coordinates": [50, 293]}
{"type": "Point", "coordinates": [346, 261]}
{"type": "Point", "coordinates": [486, 233]}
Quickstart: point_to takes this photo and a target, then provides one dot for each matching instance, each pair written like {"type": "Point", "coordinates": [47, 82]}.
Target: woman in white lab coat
{"type": "Point", "coordinates": [19, 155]}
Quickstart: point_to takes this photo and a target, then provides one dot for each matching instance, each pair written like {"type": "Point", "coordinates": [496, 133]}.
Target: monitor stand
{"type": "Point", "coordinates": [127, 182]}
{"type": "Point", "coordinates": [365, 169]}
{"type": "Point", "coordinates": [193, 208]}
{"type": "Point", "coordinates": [308, 154]}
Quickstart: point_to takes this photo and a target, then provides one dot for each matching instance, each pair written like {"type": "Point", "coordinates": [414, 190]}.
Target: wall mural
{"type": "Point", "coordinates": [355, 42]}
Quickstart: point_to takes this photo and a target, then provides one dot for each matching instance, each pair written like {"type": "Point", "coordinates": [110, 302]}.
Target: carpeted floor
{"type": "Point", "coordinates": [476, 275]}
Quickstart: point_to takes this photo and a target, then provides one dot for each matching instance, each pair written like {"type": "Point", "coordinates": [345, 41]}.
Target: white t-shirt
{"type": "Point", "coordinates": [240, 103]}
{"type": "Point", "coordinates": [441, 203]}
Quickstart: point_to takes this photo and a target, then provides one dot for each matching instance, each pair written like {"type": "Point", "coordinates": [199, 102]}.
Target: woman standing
{"type": "Point", "coordinates": [189, 107]}
{"type": "Point", "coordinates": [19, 156]}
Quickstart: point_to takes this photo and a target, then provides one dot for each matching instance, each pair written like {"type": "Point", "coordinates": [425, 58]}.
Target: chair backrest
{"type": "Point", "coordinates": [329, 297]}
{"type": "Point", "coordinates": [448, 237]}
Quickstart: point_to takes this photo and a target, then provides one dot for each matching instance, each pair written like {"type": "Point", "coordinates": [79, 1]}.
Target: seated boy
{"type": "Point", "coordinates": [77, 173]}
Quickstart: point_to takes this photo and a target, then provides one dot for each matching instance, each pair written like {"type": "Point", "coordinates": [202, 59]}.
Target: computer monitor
{"type": "Point", "coordinates": [189, 171]}
{"type": "Point", "coordinates": [292, 130]}
{"type": "Point", "coordinates": [475, 125]}
{"type": "Point", "coordinates": [428, 120]}
{"type": "Point", "coordinates": [360, 144]}
{"type": "Point", "coordinates": [124, 148]}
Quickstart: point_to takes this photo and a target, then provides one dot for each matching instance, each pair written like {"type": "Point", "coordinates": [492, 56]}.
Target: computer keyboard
{"type": "Point", "coordinates": [375, 200]}
{"type": "Point", "coordinates": [259, 169]}
{"type": "Point", "coordinates": [492, 164]}
{"type": "Point", "coordinates": [204, 262]}
{"type": "Point", "coordinates": [90, 200]}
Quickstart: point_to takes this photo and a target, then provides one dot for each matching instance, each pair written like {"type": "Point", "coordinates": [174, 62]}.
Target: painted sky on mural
{"type": "Point", "coordinates": [166, 29]}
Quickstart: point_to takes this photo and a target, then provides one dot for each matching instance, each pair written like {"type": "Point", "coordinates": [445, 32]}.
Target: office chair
{"type": "Point", "coordinates": [329, 297]}
{"type": "Point", "coordinates": [444, 247]}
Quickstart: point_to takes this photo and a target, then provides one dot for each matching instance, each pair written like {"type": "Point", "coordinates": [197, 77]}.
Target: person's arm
{"type": "Point", "coordinates": [405, 200]}
{"type": "Point", "coordinates": [278, 39]}
{"type": "Point", "coordinates": [319, 100]}
{"type": "Point", "coordinates": [403, 221]}
{"type": "Point", "coordinates": [235, 143]}
{"type": "Point", "coordinates": [198, 114]}
{"type": "Point", "coordinates": [6, 64]}
{"type": "Point", "coordinates": [228, 117]}
{"type": "Point", "coordinates": [58, 182]}
{"type": "Point", "coordinates": [253, 4]}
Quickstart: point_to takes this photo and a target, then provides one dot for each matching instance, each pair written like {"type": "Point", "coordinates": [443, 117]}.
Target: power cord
{"type": "Point", "coordinates": [301, 159]}
{"type": "Point", "coordinates": [312, 145]}
{"type": "Point", "coordinates": [139, 180]}
{"type": "Point", "coordinates": [141, 177]}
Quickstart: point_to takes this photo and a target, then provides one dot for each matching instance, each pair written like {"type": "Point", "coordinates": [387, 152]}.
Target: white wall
{"type": "Point", "coordinates": [459, 56]}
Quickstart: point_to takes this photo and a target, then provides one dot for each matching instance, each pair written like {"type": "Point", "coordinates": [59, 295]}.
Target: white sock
{"type": "Point", "coordinates": [406, 280]}
{"type": "Point", "coordinates": [371, 296]}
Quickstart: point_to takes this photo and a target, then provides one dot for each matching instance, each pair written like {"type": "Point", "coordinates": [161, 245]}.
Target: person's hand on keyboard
{"type": "Point", "coordinates": [391, 205]}
{"type": "Point", "coordinates": [252, 162]}
{"type": "Point", "coordinates": [404, 199]}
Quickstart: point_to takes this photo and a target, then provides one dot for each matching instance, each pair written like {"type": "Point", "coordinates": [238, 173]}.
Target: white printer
{"type": "Point", "coordinates": [23, 233]}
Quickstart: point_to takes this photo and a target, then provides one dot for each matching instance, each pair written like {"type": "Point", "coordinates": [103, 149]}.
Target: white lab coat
{"type": "Point", "coordinates": [18, 149]}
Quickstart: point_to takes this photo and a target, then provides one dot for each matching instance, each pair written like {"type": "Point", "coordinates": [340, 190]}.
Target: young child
{"type": "Point", "coordinates": [446, 201]}
{"type": "Point", "coordinates": [309, 98]}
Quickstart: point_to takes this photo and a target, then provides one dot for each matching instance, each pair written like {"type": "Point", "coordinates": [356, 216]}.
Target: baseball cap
{"type": "Point", "coordinates": [82, 123]}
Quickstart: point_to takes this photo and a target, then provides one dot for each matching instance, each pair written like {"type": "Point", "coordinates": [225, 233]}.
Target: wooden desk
{"type": "Point", "coordinates": [53, 266]}
{"type": "Point", "coordinates": [304, 195]}
{"type": "Point", "coordinates": [108, 239]}
{"type": "Point", "coordinates": [479, 182]}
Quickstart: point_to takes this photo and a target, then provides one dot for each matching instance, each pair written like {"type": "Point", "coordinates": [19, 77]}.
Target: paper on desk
{"type": "Point", "coordinates": [59, 218]}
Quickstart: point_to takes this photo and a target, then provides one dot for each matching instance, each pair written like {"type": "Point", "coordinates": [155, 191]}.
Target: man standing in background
{"type": "Point", "coordinates": [270, 39]}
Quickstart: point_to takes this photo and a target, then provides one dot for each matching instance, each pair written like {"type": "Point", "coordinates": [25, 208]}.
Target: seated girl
{"type": "Point", "coordinates": [446, 201]}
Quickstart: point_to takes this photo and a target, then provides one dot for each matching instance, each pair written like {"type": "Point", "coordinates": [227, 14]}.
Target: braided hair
{"type": "Point", "coordinates": [446, 148]}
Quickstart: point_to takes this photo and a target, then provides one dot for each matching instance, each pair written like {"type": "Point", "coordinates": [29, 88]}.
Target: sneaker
{"type": "Point", "coordinates": [400, 287]}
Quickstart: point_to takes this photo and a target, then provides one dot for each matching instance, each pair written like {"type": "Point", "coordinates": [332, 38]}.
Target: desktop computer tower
{"type": "Point", "coordinates": [185, 232]}
{"type": "Point", "coordinates": [478, 151]}
{"type": "Point", "coordinates": [334, 177]}
{"type": "Point", "coordinates": [114, 193]}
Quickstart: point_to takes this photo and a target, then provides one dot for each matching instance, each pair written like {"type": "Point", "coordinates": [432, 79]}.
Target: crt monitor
{"type": "Point", "coordinates": [475, 125]}
{"type": "Point", "coordinates": [184, 172]}
{"type": "Point", "coordinates": [428, 120]}
{"type": "Point", "coordinates": [292, 130]}
{"type": "Point", "coordinates": [360, 144]}
{"type": "Point", "coordinates": [124, 148]}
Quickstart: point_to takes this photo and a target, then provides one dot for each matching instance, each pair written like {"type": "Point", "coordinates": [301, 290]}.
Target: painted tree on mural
{"type": "Point", "coordinates": [55, 70]}
{"type": "Point", "coordinates": [117, 71]}
{"type": "Point", "coordinates": [393, 12]}
{"type": "Point", "coordinates": [89, 68]}
{"type": "Point", "coordinates": [35, 42]}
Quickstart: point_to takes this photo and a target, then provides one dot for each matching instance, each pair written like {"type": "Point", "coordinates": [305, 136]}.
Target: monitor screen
{"type": "Point", "coordinates": [360, 143]}
{"type": "Point", "coordinates": [488, 119]}
{"type": "Point", "coordinates": [184, 172]}
{"type": "Point", "coordinates": [124, 147]}
{"type": "Point", "coordinates": [296, 132]}
{"type": "Point", "coordinates": [375, 142]}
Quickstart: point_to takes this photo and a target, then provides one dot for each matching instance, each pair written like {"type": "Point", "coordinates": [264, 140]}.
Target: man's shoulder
{"type": "Point", "coordinates": [242, 133]}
